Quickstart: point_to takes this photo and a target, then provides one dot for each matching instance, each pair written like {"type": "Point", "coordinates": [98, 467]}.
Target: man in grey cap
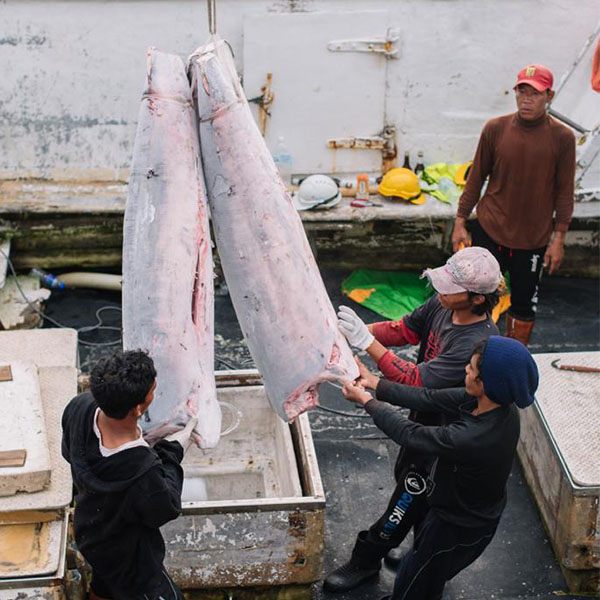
{"type": "Point", "coordinates": [446, 327]}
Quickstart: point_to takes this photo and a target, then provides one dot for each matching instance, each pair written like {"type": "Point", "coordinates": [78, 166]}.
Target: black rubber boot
{"type": "Point", "coordinates": [362, 566]}
{"type": "Point", "coordinates": [393, 558]}
{"type": "Point", "coordinates": [348, 576]}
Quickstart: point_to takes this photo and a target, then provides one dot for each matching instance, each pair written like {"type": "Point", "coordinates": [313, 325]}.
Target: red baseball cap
{"type": "Point", "coordinates": [537, 76]}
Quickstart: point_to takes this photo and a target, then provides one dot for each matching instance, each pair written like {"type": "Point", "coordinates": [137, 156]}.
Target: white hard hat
{"type": "Point", "coordinates": [316, 191]}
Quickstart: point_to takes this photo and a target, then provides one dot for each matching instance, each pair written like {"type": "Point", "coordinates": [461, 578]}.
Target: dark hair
{"type": "Point", "coordinates": [479, 351]}
{"type": "Point", "coordinates": [489, 300]}
{"type": "Point", "coordinates": [122, 381]}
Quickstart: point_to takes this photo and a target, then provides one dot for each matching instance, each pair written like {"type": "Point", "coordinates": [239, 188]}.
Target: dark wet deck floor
{"type": "Point", "coordinates": [356, 459]}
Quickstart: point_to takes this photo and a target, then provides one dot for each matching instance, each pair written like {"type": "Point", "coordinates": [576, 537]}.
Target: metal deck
{"type": "Point", "coordinates": [356, 459]}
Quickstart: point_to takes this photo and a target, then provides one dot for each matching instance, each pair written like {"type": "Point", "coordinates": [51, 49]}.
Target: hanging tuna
{"type": "Point", "coordinates": [275, 285]}
{"type": "Point", "coordinates": [167, 259]}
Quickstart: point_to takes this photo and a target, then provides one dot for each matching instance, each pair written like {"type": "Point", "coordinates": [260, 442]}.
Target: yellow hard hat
{"type": "Point", "coordinates": [401, 183]}
{"type": "Point", "coordinates": [462, 174]}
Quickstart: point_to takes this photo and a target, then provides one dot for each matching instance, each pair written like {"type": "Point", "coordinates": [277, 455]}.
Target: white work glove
{"type": "Point", "coordinates": [354, 330]}
{"type": "Point", "coordinates": [183, 436]}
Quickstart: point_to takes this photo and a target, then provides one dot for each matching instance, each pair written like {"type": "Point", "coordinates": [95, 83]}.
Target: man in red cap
{"type": "Point", "coordinates": [526, 209]}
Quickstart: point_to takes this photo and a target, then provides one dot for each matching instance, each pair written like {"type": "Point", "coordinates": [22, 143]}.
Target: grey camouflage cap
{"type": "Point", "coordinates": [469, 270]}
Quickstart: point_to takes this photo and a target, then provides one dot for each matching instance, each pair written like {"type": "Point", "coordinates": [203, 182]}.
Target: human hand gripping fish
{"type": "Point", "coordinates": [185, 435]}
{"type": "Point", "coordinates": [366, 379]}
{"type": "Point", "coordinates": [175, 432]}
{"type": "Point", "coordinates": [354, 392]}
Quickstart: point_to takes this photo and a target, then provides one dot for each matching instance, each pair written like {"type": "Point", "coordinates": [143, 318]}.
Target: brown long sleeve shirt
{"type": "Point", "coordinates": [531, 169]}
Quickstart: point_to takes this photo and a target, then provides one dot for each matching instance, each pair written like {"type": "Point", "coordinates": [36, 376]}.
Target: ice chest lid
{"type": "Point", "coordinates": [569, 404]}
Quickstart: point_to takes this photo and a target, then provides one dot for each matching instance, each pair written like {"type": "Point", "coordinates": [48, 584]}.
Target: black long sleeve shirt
{"type": "Point", "coordinates": [475, 453]}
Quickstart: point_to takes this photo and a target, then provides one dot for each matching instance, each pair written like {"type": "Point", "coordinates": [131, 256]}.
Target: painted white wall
{"type": "Point", "coordinates": [73, 70]}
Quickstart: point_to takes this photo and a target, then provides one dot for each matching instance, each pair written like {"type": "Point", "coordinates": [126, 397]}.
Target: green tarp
{"type": "Point", "coordinates": [392, 294]}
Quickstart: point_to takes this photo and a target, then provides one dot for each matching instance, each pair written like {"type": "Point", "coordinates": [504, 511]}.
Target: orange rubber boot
{"type": "Point", "coordinates": [519, 330]}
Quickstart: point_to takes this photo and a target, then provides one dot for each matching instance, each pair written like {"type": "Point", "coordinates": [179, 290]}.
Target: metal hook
{"type": "Point", "coordinates": [578, 368]}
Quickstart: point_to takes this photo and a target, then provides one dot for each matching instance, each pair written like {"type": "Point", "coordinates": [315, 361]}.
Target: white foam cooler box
{"type": "Point", "coordinates": [560, 453]}
{"type": "Point", "coordinates": [253, 507]}
{"type": "Point", "coordinates": [34, 499]}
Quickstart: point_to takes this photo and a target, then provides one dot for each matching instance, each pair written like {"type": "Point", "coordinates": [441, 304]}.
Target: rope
{"type": "Point", "coordinates": [212, 16]}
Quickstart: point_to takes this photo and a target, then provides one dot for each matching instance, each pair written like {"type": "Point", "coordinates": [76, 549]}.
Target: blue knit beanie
{"type": "Point", "coordinates": [508, 372]}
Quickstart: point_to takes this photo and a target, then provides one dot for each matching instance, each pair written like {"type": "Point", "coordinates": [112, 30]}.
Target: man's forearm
{"type": "Point", "coordinates": [421, 399]}
{"type": "Point", "coordinates": [376, 350]}
{"type": "Point", "coordinates": [394, 333]}
{"type": "Point", "coordinates": [399, 370]}
{"type": "Point", "coordinates": [398, 428]}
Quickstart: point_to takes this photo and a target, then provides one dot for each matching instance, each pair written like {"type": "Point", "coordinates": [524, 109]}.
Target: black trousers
{"type": "Point", "coordinates": [524, 268]}
{"type": "Point", "coordinates": [165, 589]}
{"type": "Point", "coordinates": [407, 505]}
{"type": "Point", "coordinates": [440, 551]}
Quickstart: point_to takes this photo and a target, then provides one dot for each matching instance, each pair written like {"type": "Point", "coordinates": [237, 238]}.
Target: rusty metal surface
{"type": "Point", "coordinates": [387, 47]}
{"type": "Point", "coordinates": [237, 378]}
{"type": "Point", "coordinates": [245, 549]}
{"type": "Point", "coordinates": [385, 141]}
{"type": "Point", "coordinates": [357, 143]}
{"type": "Point", "coordinates": [390, 150]}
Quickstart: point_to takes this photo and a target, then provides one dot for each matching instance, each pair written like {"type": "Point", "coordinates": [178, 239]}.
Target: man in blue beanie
{"type": "Point", "coordinates": [465, 494]}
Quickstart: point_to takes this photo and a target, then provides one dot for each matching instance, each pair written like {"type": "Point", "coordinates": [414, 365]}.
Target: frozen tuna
{"type": "Point", "coordinates": [275, 285]}
{"type": "Point", "coordinates": [167, 258]}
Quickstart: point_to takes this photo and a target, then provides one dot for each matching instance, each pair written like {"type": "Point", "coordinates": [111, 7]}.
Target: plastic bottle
{"type": "Point", "coordinates": [406, 164]}
{"type": "Point", "coordinates": [420, 167]}
{"type": "Point", "coordinates": [47, 279]}
{"type": "Point", "coordinates": [283, 160]}
{"type": "Point", "coordinates": [362, 186]}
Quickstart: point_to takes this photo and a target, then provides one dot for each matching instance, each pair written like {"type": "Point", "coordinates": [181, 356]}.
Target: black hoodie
{"type": "Point", "coordinates": [120, 501]}
{"type": "Point", "coordinates": [467, 484]}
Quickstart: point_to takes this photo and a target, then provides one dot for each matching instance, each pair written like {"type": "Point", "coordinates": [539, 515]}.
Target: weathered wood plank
{"type": "Point", "coordinates": [5, 373]}
{"type": "Point", "coordinates": [13, 458]}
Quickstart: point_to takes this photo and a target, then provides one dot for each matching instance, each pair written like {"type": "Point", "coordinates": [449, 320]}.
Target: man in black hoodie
{"type": "Point", "coordinates": [465, 494]}
{"type": "Point", "coordinates": [125, 490]}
